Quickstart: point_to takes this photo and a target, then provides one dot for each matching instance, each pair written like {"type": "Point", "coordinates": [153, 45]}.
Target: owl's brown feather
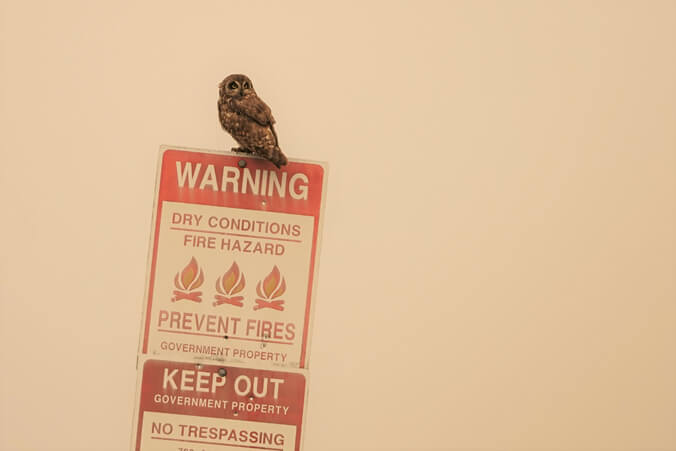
{"type": "Point", "coordinates": [255, 108]}
{"type": "Point", "coordinates": [248, 119]}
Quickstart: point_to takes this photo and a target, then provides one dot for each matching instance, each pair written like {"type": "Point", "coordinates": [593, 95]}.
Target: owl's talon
{"type": "Point", "coordinates": [240, 150]}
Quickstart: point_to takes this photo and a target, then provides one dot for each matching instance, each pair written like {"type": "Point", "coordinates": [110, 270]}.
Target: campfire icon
{"type": "Point", "coordinates": [269, 289]}
{"type": "Point", "coordinates": [228, 285]}
{"type": "Point", "coordinates": [186, 281]}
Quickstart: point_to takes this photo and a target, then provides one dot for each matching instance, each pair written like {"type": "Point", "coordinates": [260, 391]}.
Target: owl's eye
{"type": "Point", "coordinates": [233, 85]}
{"type": "Point", "coordinates": [246, 85]}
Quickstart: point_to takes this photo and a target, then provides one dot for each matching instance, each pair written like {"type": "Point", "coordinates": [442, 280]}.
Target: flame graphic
{"type": "Point", "coordinates": [228, 285]}
{"type": "Point", "coordinates": [271, 287]}
{"type": "Point", "coordinates": [231, 282]}
{"type": "Point", "coordinates": [190, 278]}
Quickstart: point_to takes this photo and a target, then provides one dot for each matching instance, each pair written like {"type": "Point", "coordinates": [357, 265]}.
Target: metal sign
{"type": "Point", "coordinates": [233, 258]}
{"type": "Point", "coordinates": [209, 407]}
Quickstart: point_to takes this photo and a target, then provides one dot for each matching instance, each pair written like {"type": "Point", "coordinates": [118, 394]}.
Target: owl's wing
{"type": "Point", "coordinates": [255, 108]}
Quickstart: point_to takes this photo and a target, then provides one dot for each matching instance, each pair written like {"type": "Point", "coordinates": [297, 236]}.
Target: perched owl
{"type": "Point", "coordinates": [248, 119]}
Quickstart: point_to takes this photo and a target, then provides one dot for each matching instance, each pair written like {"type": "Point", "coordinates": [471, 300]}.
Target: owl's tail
{"type": "Point", "coordinates": [277, 157]}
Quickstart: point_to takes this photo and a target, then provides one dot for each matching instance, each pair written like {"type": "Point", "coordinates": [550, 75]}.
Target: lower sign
{"type": "Point", "coordinates": [188, 406]}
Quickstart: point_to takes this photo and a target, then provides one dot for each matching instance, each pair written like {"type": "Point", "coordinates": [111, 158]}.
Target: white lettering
{"type": "Point", "coordinates": [202, 381]}
{"type": "Point", "coordinates": [274, 182]}
{"type": "Point", "coordinates": [247, 385]}
{"type": "Point", "coordinates": [209, 178]}
{"type": "Point", "coordinates": [187, 172]}
{"type": "Point", "coordinates": [244, 180]}
{"type": "Point", "coordinates": [276, 382]}
{"type": "Point", "coordinates": [248, 180]}
{"type": "Point", "coordinates": [169, 378]}
{"type": "Point", "coordinates": [230, 175]}
{"type": "Point", "coordinates": [187, 377]}
{"type": "Point", "coordinates": [301, 193]}
{"type": "Point", "coordinates": [188, 382]}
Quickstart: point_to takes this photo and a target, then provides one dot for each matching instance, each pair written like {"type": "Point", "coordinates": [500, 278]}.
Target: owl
{"type": "Point", "coordinates": [248, 119]}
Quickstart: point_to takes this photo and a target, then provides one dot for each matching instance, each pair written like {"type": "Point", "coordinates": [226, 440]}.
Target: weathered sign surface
{"type": "Point", "coordinates": [233, 258]}
{"type": "Point", "coordinates": [210, 407]}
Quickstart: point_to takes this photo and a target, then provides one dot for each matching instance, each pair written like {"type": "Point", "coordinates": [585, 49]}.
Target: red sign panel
{"type": "Point", "coordinates": [233, 258]}
{"type": "Point", "coordinates": [191, 406]}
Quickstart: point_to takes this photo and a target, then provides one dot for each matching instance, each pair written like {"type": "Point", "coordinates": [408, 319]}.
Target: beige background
{"type": "Point", "coordinates": [499, 256]}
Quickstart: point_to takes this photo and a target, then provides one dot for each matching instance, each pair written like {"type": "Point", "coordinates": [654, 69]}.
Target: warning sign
{"type": "Point", "coordinates": [214, 407]}
{"type": "Point", "coordinates": [233, 258]}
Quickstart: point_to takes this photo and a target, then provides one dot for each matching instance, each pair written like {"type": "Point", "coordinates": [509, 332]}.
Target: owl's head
{"type": "Point", "coordinates": [236, 85]}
